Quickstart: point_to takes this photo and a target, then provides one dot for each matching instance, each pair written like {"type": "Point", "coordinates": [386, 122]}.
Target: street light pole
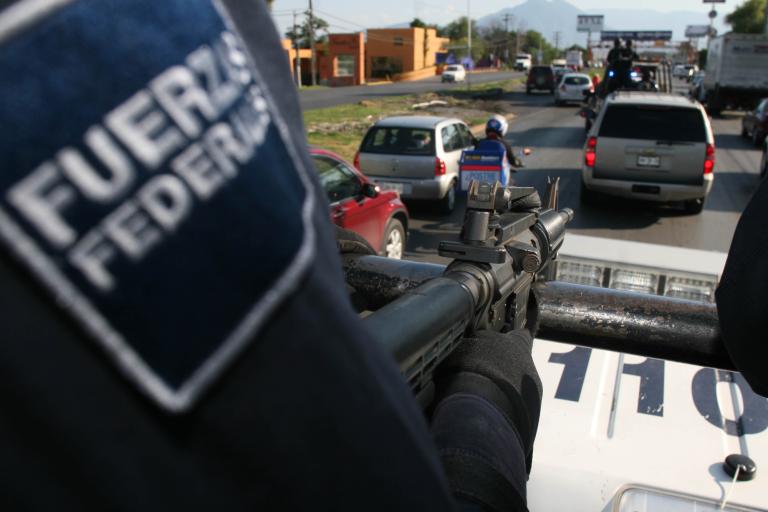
{"type": "Point", "coordinates": [312, 43]}
{"type": "Point", "coordinates": [296, 60]}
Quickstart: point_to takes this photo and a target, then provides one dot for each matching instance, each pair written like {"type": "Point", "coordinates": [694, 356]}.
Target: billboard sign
{"type": "Point", "coordinates": [590, 23]}
{"type": "Point", "coordinates": [636, 35]}
{"type": "Point", "coordinates": [696, 30]}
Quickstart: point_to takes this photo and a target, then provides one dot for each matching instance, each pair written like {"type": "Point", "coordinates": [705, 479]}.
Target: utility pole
{"type": "Point", "coordinates": [506, 37]}
{"type": "Point", "coordinates": [296, 60]}
{"type": "Point", "coordinates": [469, 45]}
{"type": "Point", "coordinates": [312, 43]}
{"type": "Point", "coordinates": [557, 41]}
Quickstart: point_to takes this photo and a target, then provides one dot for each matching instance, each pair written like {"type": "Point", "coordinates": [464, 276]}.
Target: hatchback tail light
{"type": "Point", "coordinates": [590, 155]}
{"type": "Point", "coordinates": [709, 160]}
{"type": "Point", "coordinates": [356, 161]}
{"type": "Point", "coordinates": [439, 167]}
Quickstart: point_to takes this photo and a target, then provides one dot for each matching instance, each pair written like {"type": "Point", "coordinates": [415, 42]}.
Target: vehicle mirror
{"type": "Point", "coordinates": [370, 190]}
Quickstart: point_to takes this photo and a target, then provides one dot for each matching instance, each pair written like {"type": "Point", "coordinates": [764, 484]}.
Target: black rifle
{"type": "Point", "coordinates": [423, 311]}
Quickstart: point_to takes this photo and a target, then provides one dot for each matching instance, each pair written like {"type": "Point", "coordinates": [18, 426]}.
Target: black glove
{"type": "Point", "coordinates": [488, 397]}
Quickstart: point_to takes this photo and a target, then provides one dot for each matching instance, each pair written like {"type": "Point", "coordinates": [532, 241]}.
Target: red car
{"type": "Point", "coordinates": [358, 205]}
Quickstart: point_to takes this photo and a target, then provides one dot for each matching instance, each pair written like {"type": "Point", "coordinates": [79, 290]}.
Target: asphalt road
{"type": "Point", "coordinates": [332, 96]}
{"type": "Point", "coordinates": [556, 136]}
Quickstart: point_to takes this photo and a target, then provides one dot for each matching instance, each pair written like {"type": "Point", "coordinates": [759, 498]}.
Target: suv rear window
{"type": "Point", "coordinates": [651, 122]}
{"type": "Point", "coordinates": [538, 71]}
{"type": "Point", "coordinates": [576, 80]}
{"type": "Point", "coordinates": [399, 141]}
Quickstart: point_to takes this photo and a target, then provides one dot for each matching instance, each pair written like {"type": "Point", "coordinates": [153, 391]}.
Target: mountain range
{"type": "Point", "coordinates": [551, 16]}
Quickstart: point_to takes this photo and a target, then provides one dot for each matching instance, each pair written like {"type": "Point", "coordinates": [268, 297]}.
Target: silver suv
{"type": "Point", "coordinates": [416, 156]}
{"type": "Point", "coordinates": [650, 146]}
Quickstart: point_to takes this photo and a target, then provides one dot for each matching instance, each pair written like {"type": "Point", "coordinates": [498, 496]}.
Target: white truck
{"type": "Point", "coordinates": [523, 61]}
{"type": "Point", "coordinates": [574, 59]}
{"type": "Point", "coordinates": [736, 72]}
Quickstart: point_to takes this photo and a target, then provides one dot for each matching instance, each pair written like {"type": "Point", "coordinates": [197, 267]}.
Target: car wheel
{"type": "Point", "coordinates": [527, 90]}
{"type": "Point", "coordinates": [448, 202]}
{"type": "Point", "coordinates": [394, 240]}
{"type": "Point", "coordinates": [744, 132]}
{"type": "Point", "coordinates": [694, 206]}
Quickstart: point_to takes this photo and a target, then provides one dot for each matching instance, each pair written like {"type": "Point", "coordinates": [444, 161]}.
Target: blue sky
{"type": "Point", "coordinates": [348, 15]}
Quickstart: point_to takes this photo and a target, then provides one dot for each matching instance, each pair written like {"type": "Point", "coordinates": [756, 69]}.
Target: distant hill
{"type": "Point", "coordinates": [550, 16]}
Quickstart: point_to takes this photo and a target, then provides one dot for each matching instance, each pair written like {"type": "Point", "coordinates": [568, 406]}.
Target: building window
{"type": "Point", "coordinates": [398, 41]}
{"type": "Point", "coordinates": [345, 65]}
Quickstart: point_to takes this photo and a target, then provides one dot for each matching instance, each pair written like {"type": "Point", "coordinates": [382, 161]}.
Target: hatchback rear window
{"type": "Point", "coordinates": [576, 80]}
{"type": "Point", "coordinates": [452, 68]}
{"type": "Point", "coordinates": [399, 141]}
{"type": "Point", "coordinates": [653, 123]}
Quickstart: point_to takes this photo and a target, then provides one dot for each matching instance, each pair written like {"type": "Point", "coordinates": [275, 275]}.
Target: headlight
{"type": "Point", "coordinates": [655, 281]}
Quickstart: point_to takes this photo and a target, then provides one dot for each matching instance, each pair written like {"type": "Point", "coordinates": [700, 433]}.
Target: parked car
{"type": "Point", "coordinates": [416, 156]}
{"type": "Point", "coordinates": [454, 73]}
{"type": "Point", "coordinates": [523, 62]}
{"type": "Point", "coordinates": [540, 78]}
{"type": "Point", "coordinates": [572, 88]}
{"type": "Point", "coordinates": [377, 215]}
{"type": "Point", "coordinates": [764, 159]}
{"type": "Point", "coordinates": [754, 124]}
{"type": "Point", "coordinates": [651, 146]}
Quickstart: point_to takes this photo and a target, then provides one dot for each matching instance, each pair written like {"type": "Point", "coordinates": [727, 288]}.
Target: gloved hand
{"type": "Point", "coordinates": [488, 397]}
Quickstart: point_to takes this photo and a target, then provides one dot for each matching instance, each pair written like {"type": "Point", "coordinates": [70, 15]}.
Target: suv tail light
{"type": "Point", "coordinates": [709, 161]}
{"type": "Point", "coordinates": [439, 167]}
{"type": "Point", "coordinates": [590, 155]}
{"type": "Point", "coordinates": [356, 161]}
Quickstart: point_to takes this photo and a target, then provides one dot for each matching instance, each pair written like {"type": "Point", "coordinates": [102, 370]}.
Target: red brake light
{"type": "Point", "coordinates": [356, 161]}
{"type": "Point", "coordinates": [590, 155]}
{"type": "Point", "coordinates": [439, 167]}
{"type": "Point", "coordinates": [709, 161]}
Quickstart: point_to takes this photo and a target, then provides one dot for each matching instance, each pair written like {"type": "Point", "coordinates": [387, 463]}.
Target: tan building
{"type": "Point", "coordinates": [402, 53]}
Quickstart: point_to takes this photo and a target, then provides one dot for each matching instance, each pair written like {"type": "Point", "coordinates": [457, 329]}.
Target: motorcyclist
{"type": "Point", "coordinates": [496, 129]}
{"type": "Point", "coordinates": [177, 334]}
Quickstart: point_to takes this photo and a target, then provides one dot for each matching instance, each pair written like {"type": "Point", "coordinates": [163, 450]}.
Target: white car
{"type": "Point", "coordinates": [417, 156]}
{"type": "Point", "coordinates": [572, 88]}
{"type": "Point", "coordinates": [454, 73]}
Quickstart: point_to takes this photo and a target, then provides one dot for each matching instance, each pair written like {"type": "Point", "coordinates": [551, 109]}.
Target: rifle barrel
{"type": "Point", "coordinates": [635, 323]}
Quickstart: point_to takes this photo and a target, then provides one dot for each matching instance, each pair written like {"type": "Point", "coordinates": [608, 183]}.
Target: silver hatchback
{"type": "Point", "coordinates": [417, 156]}
{"type": "Point", "coordinates": [651, 146]}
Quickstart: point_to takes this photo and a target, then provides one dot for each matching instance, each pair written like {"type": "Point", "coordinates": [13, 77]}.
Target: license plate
{"type": "Point", "coordinates": [648, 161]}
{"type": "Point", "coordinates": [402, 188]}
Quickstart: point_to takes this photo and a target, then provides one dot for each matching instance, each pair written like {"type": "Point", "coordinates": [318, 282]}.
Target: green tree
{"type": "Point", "coordinates": [748, 18]}
{"type": "Point", "coordinates": [457, 29]}
{"type": "Point", "coordinates": [301, 32]}
{"type": "Point", "coordinates": [418, 23]}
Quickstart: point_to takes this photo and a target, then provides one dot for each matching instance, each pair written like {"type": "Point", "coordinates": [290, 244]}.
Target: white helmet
{"type": "Point", "coordinates": [497, 124]}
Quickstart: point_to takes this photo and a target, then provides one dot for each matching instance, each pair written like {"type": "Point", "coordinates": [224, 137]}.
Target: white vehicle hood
{"type": "Point", "coordinates": [652, 431]}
